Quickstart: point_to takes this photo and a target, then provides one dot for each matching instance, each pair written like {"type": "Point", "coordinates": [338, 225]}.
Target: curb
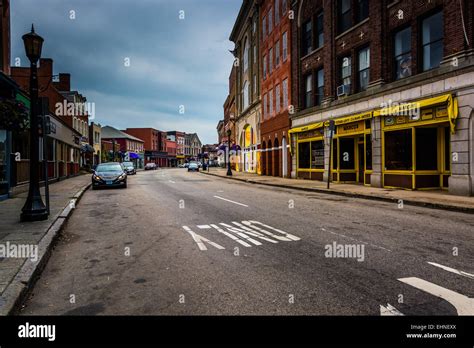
{"type": "Point", "coordinates": [424, 204]}
{"type": "Point", "coordinates": [19, 288]}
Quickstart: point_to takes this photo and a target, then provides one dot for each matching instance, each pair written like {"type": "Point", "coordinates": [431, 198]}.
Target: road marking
{"type": "Point", "coordinates": [243, 235]}
{"type": "Point", "coordinates": [452, 270]}
{"type": "Point", "coordinates": [173, 182]}
{"type": "Point", "coordinates": [288, 236]}
{"type": "Point", "coordinates": [228, 200]}
{"type": "Point", "coordinates": [231, 236]}
{"type": "Point", "coordinates": [248, 232]}
{"type": "Point", "coordinates": [203, 227]}
{"type": "Point", "coordinates": [356, 240]}
{"type": "Point", "coordinates": [200, 240]}
{"type": "Point", "coordinates": [463, 304]}
{"type": "Point", "coordinates": [389, 310]}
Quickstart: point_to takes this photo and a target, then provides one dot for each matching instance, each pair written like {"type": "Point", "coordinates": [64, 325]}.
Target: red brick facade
{"type": "Point", "coordinates": [275, 118]}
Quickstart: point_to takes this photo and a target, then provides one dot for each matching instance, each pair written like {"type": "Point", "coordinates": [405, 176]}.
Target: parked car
{"type": "Point", "coordinates": [109, 175]}
{"type": "Point", "coordinates": [151, 166]}
{"type": "Point", "coordinates": [186, 165]}
{"type": "Point", "coordinates": [181, 165]}
{"type": "Point", "coordinates": [193, 167]}
{"type": "Point", "coordinates": [129, 168]}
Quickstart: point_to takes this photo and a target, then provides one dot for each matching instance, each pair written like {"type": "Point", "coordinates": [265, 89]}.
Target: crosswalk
{"type": "Point", "coordinates": [463, 304]}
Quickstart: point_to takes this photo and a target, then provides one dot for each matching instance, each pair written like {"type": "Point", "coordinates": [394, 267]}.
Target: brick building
{"type": "Point", "coordinates": [396, 77]}
{"type": "Point", "coordinates": [153, 143]}
{"type": "Point", "coordinates": [179, 139]}
{"type": "Point", "coordinates": [246, 36]}
{"type": "Point", "coordinates": [131, 148]}
{"type": "Point", "coordinates": [275, 86]}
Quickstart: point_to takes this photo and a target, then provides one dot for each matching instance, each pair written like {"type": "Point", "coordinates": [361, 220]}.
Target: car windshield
{"type": "Point", "coordinates": [127, 164]}
{"type": "Point", "coordinates": [193, 164]}
{"type": "Point", "coordinates": [109, 168]}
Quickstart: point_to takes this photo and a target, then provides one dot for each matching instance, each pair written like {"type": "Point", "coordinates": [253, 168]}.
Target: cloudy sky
{"type": "Point", "coordinates": [173, 62]}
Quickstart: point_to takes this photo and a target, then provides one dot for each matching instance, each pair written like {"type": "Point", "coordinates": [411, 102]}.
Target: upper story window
{"type": "Point", "coordinates": [277, 99]}
{"type": "Point", "coordinates": [308, 95]}
{"type": "Point", "coordinates": [264, 26]}
{"type": "Point", "coordinates": [270, 20]}
{"type": "Point", "coordinates": [277, 11]}
{"type": "Point", "coordinates": [264, 67]}
{"type": "Point", "coordinates": [270, 112]}
{"type": "Point", "coordinates": [364, 68]}
{"type": "Point", "coordinates": [246, 55]}
{"type": "Point", "coordinates": [254, 27]}
{"type": "Point", "coordinates": [344, 14]}
{"type": "Point", "coordinates": [285, 93]}
{"type": "Point", "coordinates": [320, 30]}
{"type": "Point", "coordinates": [320, 91]}
{"type": "Point", "coordinates": [402, 52]}
{"type": "Point", "coordinates": [432, 41]}
{"type": "Point", "coordinates": [346, 73]}
{"type": "Point", "coordinates": [270, 60]}
{"type": "Point", "coordinates": [254, 53]}
{"type": "Point", "coordinates": [277, 53]}
{"type": "Point", "coordinates": [362, 10]}
{"type": "Point", "coordinates": [307, 38]}
{"type": "Point", "coordinates": [285, 45]}
{"type": "Point", "coordinates": [265, 105]}
{"type": "Point", "coordinates": [284, 5]}
{"type": "Point", "coordinates": [246, 95]}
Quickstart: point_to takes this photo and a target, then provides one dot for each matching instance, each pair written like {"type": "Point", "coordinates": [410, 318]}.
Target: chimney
{"type": "Point", "coordinates": [64, 84]}
{"type": "Point", "coordinates": [46, 67]}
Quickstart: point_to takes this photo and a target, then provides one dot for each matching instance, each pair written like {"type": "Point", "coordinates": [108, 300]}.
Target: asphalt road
{"type": "Point", "coordinates": [167, 245]}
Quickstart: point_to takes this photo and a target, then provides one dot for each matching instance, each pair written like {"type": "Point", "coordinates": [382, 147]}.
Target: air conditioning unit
{"type": "Point", "coordinates": [343, 90]}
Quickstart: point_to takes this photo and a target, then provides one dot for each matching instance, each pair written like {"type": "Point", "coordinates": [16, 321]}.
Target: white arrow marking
{"type": "Point", "coordinates": [463, 304]}
{"type": "Point", "coordinates": [389, 310]}
{"type": "Point", "coordinates": [200, 239]}
{"type": "Point", "coordinates": [231, 236]}
{"type": "Point", "coordinates": [452, 270]}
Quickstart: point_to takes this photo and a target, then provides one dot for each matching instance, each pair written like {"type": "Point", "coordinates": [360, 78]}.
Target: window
{"type": "Point", "coordinates": [307, 38]}
{"type": "Point", "coordinates": [364, 68]}
{"type": "Point", "coordinates": [346, 153]}
{"type": "Point", "coordinates": [362, 10]}
{"type": "Point", "coordinates": [270, 20]}
{"type": "Point", "coordinates": [264, 67]}
{"type": "Point", "coordinates": [283, 6]}
{"type": "Point", "coordinates": [398, 150]}
{"type": "Point", "coordinates": [317, 154]}
{"type": "Point", "coordinates": [246, 95]}
{"type": "Point", "coordinates": [345, 15]}
{"type": "Point", "coordinates": [271, 103]}
{"type": "Point", "coordinates": [402, 50]}
{"type": "Point", "coordinates": [277, 53]}
{"type": "Point", "coordinates": [254, 28]}
{"type": "Point", "coordinates": [285, 93]}
{"type": "Point", "coordinates": [265, 100]}
{"type": "Point", "coordinates": [277, 99]}
{"type": "Point", "coordinates": [447, 149]}
{"type": "Point", "coordinates": [368, 152]}
{"type": "Point", "coordinates": [426, 148]}
{"type": "Point", "coordinates": [320, 30]}
{"type": "Point", "coordinates": [308, 96]}
{"type": "Point", "coordinates": [304, 153]}
{"type": "Point", "coordinates": [270, 60]}
{"type": "Point", "coordinates": [254, 83]}
{"type": "Point", "coordinates": [432, 41]}
{"type": "Point", "coordinates": [264, 26]}
{"type": "Point", "coordinates": [320, 91]}
{"type": "Point", "coordinates": [285, 45]}
{"type": "Point", "coordinates": [254, 54]}
{"type": "Point", "coordinates": [246, 55]}
{"type": "Point", "coordinates": [277, 11]}
{"type": "Point", "coordinates": [346, 67]}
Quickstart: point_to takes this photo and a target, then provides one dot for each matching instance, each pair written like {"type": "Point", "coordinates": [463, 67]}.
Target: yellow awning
{"type": "Point", "coordinates": [452, 106]}
{"type": "Point", "coordinates": [350, 119]}
{"type": "Point", "coordinates": [306, 128]}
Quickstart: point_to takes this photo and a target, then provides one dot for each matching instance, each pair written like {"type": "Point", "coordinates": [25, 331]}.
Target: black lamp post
{"type": "Point", "coordinates": [229, 170]}
{"type": "Point", "coordinates": [34, 208]}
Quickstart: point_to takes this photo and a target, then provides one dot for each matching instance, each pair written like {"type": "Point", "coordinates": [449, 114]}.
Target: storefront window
{"type": "Point", "coordinates": [304, 155]}
{"type": "Point", "coordinates": [368, 152]}
{"type": "Point", "coordinates": [346, 153]}
{"type": "Point", "coordinates": [398, 150]}
{"type": "Point", "coordinates": [447, 149]}
{"type": "Point", "coordinates": [3, 162]}
{"type": "Point", "coordinates": [317, 154]}
{"type": "Point", "coordinates": [426, 148]}
{"type": "Point", "coordinates": [334, 154]}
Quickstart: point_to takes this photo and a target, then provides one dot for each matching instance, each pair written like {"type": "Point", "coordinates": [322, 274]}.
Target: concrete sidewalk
{"type": "Point", "coordinates": [432, 199]}
{"type": "Point", "coordinates": [17, 274]}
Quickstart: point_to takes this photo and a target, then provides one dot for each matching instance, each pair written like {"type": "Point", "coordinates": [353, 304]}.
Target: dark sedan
{"type": "Point", "coordinates": [109, 175]}
{"type": "Point", "coordinates": [129, 168]}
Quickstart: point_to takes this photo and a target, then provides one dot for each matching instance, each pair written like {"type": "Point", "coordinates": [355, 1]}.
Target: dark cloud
{"type": "Point", "coordinates": [173, 62]}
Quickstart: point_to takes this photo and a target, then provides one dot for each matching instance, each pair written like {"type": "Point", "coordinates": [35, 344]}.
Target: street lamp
{"type": "Point", "coordinates": [34, 208]}
{"type": "Point", "coordinates": [229, 170]}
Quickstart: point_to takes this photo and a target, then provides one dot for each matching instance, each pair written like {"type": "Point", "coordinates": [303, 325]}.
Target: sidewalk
{"type": "Point", "coordinates": [432, 199]}
{"type": "Point", "coordinates": [17, 274]}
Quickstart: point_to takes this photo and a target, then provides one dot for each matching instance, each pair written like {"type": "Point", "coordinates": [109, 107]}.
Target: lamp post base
{"type": "Point", "coordinates": [229, 172]}
{"type": "Point", "coordinates": [34, 210]}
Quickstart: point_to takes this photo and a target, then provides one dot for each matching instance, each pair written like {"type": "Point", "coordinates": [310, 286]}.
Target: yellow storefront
{"type": "Point", "coordinates": [309, 151]}
{"type": "Point", "coordinates": [416, 145]}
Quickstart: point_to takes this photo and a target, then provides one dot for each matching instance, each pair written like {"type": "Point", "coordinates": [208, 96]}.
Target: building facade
{"type": "Point", "coordinates": [154, 151]}
{"type": "Point", "coordinates": [275, 87]}
{"type": "Point", "coordinates": [131, 148]}
{"type": "Point", "coordinates": [179, 139]}
{"type": "Point", "coordinates": [95, 141]}
{"type": "Point", "coordinates": [246, 37]}
{"type": "Point", "coordinates": [396, 77]}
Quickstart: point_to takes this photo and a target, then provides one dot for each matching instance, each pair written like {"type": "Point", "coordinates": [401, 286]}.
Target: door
{"type": "Point", "coordinates": [361, 163]}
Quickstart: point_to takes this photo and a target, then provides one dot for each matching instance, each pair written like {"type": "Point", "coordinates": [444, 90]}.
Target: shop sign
{"type": "Point", "coordinates": [312, 134]}
{"type": "Point", "coordinates": [427, 114]}
{"type": "Point", "coordinates": [441, 111]}
{"type": "Point", "coordinates": [351, 128]}
{"type": "Point", "coordinates": [351, 119]}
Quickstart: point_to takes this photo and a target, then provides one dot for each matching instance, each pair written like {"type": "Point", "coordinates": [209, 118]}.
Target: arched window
{"type": "Point", "coordinates": [246, 95]}
{"type": "Point", "coordinates": [246, 55]}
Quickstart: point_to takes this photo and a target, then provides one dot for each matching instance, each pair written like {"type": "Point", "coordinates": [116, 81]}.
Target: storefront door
{"type": "Point", "coordinates": [361, 160]}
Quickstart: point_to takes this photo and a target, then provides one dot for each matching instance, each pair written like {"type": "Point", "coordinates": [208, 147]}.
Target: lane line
{"type": "Point", "coordinates": [463, 304]}
{"type": "Point", "coordinates": [389, 310]}
{"type": "Point", "coordinates": [228, 200]}
{"type": "Point", "coordinates": [452, 270]}
{"type": "Point", "coordinates": [173, 182]}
